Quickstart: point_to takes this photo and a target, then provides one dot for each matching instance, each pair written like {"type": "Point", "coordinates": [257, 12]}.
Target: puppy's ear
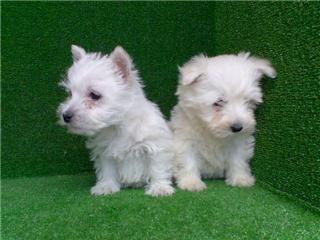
{"type": "Point", "coordinates": [122, 61]}
{"type": "Point", "coordinates": [192, 71]}
{"type": "Point", "coordinates": [77, 53]}
{"type": "Point", "coordinates": [263, 67]}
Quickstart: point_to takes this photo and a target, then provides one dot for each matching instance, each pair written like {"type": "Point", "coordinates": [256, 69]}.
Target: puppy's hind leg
{"type": "Point", "coordinates": [106, 173]}
{"type": "Point", "coordinates": [160, 174]}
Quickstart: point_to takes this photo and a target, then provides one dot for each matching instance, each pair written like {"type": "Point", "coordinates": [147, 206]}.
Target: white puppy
{"type": "Point", "coordinates": [130, 142]}
{"type": "Point", "coordinates": [213, 123]}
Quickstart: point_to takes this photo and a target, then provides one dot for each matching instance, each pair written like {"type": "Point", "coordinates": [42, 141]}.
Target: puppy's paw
{"type": "Point", "coordinates": [104, 189]}
{"type": "Point", "coordinates": [241, 181]}
{"type": "Point", "coordinates": [157, 190]}
{"type": "Point", "coordinates": [193, 184]}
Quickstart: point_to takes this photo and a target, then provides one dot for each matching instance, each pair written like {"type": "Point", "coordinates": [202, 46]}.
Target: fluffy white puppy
{"type": "Point", "coordinates": [213, 122]}
{"type": "Point", "coordinates": [130, 142]}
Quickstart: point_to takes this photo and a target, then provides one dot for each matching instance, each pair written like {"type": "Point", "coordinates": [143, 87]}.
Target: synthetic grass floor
{"type": "Point", "coordinates": [60, 207]}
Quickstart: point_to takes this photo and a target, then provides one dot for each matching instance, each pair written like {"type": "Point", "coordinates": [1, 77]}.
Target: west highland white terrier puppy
{"type": "Point", "coordinates": [130, 142]}
{"type": "Point", "coordinates": [213, 122]}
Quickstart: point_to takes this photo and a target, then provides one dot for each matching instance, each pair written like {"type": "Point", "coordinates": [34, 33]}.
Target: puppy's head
{"type": "Point", "coordinates": [99, 89]}
{"type": "Point", "coordinates": [224, 91]}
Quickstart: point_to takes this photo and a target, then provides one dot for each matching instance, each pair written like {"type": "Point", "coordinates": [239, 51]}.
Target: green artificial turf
{"type": "Point", "coordinates": [287, 152]}
{"type": "Point", "coordinates": [60, 207]}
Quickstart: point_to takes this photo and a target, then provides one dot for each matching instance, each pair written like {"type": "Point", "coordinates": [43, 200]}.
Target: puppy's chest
{"type": "Point", "coordinates": [132, 159]}
{"type": "Point", "coordinates": [126, 148]}
{"type": "Point", "coordinates": [214, 153]}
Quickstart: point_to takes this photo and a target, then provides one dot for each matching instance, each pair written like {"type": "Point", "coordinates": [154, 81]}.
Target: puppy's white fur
{"type": "Point", "coordinates": [130, 142]}
{"type": "Point", "coordinates": [214, 95]}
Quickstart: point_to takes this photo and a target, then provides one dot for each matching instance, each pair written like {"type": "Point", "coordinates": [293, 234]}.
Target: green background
{"type": "Point", "coordinates": [35, 151]}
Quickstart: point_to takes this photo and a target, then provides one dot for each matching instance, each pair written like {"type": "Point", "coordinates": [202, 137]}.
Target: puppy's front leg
{"type": "Point", "coordinates": [238, 173]}
{"type": "Point", "coordinates": [106, 173]}
{"type": "Point", "coordinates": [187, 172]}
{"type": "Point", "coordinates": [160, 174]}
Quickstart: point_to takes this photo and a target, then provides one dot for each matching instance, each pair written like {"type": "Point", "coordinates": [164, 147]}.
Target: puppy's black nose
{"type": "Point", "coordinates": [237, 127]}
{"type": "Point", "coordinates": [67, 116]}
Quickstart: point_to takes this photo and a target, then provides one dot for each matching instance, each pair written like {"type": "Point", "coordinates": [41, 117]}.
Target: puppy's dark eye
{"type": "Point", "coordinates": [219, 103]}
{"type": "Point", "coordinates": [94, 96]}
